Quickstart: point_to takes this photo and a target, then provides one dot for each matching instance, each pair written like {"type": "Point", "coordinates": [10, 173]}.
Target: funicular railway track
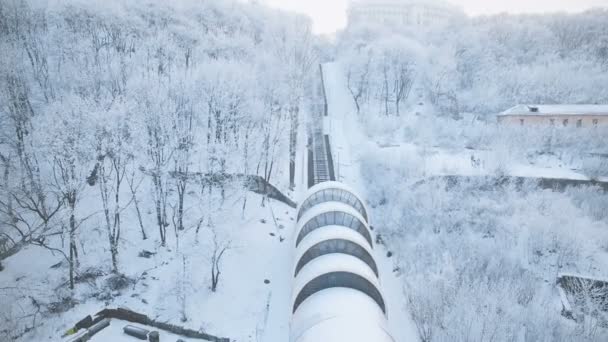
{"type": "Point", "coordinates": [320, 161]}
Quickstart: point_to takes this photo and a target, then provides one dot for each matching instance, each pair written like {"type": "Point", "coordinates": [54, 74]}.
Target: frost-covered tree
{"type": "Point", "coordinates": [70, 154]}
{"type": "Point", "coordinates": [116, 147]}
{"type": "Point", "coordinates": [383, 72]}
{"type": "Point", "coordinates": [358, 69]}
{"type": "Point", "coordinates": [159, 151]}
{"type": "Point", "coordinates": [294, 47]}
{"type": "Point", "coordinates": [29, 206]}
{"type": "Point", "coordinates": [485, 65]}
{"type": "Point", "coordinates": [143, 99]}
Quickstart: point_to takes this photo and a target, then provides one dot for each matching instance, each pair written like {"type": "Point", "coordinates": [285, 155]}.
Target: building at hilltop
{"type": "Point", "coordinates": [402, 13]}
{"type": "Point", "coordinates": [556, 115]}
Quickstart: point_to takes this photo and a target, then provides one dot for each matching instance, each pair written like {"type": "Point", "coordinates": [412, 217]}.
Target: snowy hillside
{"type": "Point", "coordinates": [142, 145]}
{"type": "Point", "coordinates": [154, 156]}
{"type": "Point", "coordinates": [477, 242]}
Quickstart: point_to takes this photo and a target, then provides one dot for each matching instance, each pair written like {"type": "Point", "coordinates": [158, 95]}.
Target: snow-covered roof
{"type": "Point", "coordinates": [339, 314]}
{"type": "Point", "coordinates": [565, 109]}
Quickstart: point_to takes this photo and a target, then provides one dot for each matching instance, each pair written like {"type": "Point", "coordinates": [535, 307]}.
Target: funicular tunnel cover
{"type": "Point", "coordinates": [336, 294]}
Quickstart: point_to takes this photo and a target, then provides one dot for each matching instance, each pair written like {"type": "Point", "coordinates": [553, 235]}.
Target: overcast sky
{"type": "Point", "coordinates": [330, 15]}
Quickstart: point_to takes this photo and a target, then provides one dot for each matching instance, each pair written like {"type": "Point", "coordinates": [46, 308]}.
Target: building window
{"type": "Point", "coordinates": [579, 123]}
{"type": "Point", "coordinates": [565, 122]}
{"type": "Point", "coordinates": [595, 122]}
{"type": "Point", "coordinates": [521, 122]}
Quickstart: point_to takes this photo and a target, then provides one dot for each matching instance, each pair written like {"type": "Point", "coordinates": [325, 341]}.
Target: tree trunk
{"type": "Point", "coordinates": [137, 210]}
{"type": "Point", "coordinates": [397, 102]}
{"type": "Point", "coordinates": [356, 98]}
{"type": "Point", "coordinates": [385, 93]}
{"type": "Point", "coordinates": [160, 210]}
{"type": "Point", "coordinates": [293, 142]}
{"type": "Point", "coordinates": [73, 250]}
{"type": "Point", "coordinates": [9, 198]}
{"type": "Point", "coordinates": [181, 193]}
{"type": "Point", "coordinates": [117, 225]}
{"type": "Point", "coordinates": [111, 223]}
{"type": "Point", "coordinates": [215, 277]}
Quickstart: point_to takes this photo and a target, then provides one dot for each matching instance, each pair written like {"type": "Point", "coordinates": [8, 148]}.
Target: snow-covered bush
{"type": "Point", "coordinates": [478, 260]}
{"type": "Point", "coordinates": [592, 200]}
{"type": "Point", "coordinates": [595, 167]}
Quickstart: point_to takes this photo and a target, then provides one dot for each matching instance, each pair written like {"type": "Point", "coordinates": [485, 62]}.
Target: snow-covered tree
{"type": "Point", "coordinates": [70, 153]}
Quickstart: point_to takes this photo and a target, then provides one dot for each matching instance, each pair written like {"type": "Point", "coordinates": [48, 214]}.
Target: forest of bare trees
{"type": "Point", "coordinates": [482, 65]}
{"type": "Point", "coordinates": [109, 111]}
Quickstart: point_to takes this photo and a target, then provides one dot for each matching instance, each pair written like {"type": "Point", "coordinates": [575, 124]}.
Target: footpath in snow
{"type": "Point", "coordinates": [346, 139]}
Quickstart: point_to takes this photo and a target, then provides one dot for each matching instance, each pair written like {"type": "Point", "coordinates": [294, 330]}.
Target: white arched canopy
{"type": "Point", "coordinates": [339, 314]}
{"type": "Point", "coordinates": [337, 292]}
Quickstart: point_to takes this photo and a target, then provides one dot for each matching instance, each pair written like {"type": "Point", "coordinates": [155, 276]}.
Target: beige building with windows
{"type": "Point", "coordinates": [556, 115]}
{"type": "Point", "coordinates": [403, 13]}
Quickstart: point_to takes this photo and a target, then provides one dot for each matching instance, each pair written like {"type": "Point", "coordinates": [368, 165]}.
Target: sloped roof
{"type": "Point", "coordinates": [563, 109]}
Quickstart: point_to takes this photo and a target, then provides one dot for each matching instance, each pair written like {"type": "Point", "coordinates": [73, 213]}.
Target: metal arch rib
{"type": "Point", "coordinates": [336, 246]}
{"type": "Point", "coordinates": [339, 279]}
{"type": "Point", "coordinates": [314, 199]}
{"type": "Point", "coordinates": [306, 229]}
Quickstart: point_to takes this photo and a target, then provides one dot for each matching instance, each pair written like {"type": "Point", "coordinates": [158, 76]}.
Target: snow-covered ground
{"type": "Point", "coordinates": [436, 161]}
{"type": "Point", "coordinates": [441, 162]}
{"type": "Point", "coordinates": [244, 308]}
